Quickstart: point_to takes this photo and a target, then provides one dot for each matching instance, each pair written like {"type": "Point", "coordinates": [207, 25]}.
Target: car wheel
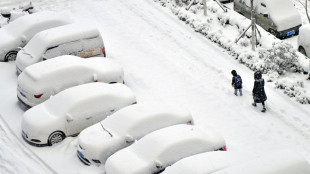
{"type": "Point", "coordinates": [302, 50]}
{"type": "Point", "coordinates": [10, 56]}
{"type": "Point", "coordinates": [55, 137]}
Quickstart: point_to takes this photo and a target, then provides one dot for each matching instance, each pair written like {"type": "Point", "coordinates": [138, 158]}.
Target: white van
{"type": "Point", "coordinates": [41, 80]}
{"type": "Point", "coordinates": [279, 17]}
{"type": "Point", "coordinates": [73, 39]}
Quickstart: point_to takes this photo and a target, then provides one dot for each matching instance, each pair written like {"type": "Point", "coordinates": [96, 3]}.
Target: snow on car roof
{"type": "Point", "coordinates": [82, 94]}
{"type": "Point", "coordinates": [48, 70]}
{"type": "Point", "coordinates": [280, 162]}
{"type": "Point", "coordinates": [134, 119]}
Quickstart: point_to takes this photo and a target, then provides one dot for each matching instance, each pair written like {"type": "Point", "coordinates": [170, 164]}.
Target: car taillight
{"type": "Point", "coordinates": [103, 51]}
{"type": "Point", "coordinates": [223, 148]}
{"type": "Point", "coordinates": [190, 122]}
{"type": "Point", "coordinates": [134, 103]}
{"type": "Point", "coordinates": [38, 96]}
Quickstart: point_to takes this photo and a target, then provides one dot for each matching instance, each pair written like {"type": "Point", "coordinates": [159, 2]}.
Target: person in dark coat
{"type": "Point", "coordinates": [236, 82]}
{"type": "Point", "coordinates": [258, 92]}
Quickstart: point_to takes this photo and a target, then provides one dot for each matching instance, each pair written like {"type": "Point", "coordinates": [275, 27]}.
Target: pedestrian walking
{"type": "Point", "coordinates": [236, 82]}
{"type": "Point", "coordinates": [258, 92]}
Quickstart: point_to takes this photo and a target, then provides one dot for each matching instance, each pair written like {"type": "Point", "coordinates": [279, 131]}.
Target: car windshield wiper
{"type": "Point", "coordinates": [106, 129]}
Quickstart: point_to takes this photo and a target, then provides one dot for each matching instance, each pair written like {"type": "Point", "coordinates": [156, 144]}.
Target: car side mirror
{"type": "Point", "coordinates": [44, 58]}
{"type": "Point", "coordinates": [158, 164]}
{"type": "Point", "coordinates": [23, 39]}
{"type": "Point", "coordinates": [69, 117]}
{"type": "Point", "coordinates": [129, 139]}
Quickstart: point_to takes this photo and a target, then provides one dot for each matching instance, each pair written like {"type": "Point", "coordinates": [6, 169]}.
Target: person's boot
{"type": "Point", "coordinates": [254, 104]}
{"type": "Point", "coordinates": [264, 109]}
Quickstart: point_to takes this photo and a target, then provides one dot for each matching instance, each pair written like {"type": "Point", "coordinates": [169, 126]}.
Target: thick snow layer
{"type": "Point", "coordinates": [127, 125]}
{"type": "Point", "coordinates": [166, 60]}
{"type": "Point", "coordinates": [163, 147]}
{"type": "Point", "coordinates": [283, 14]}
{"type": "Point", "coordinates": [280, 162]}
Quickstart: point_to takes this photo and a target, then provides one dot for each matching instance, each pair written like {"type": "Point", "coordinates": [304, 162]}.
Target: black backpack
{"type": "Point", "coordinates": [238, 81]}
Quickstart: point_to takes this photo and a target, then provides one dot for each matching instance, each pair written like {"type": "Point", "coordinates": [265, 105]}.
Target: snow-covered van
{"type": "Point", "coordinates": [279, 17]}
{"type": "Point", "coordinates": [41, 80]}
{"type": "Point", "coordinates": [72, 39]}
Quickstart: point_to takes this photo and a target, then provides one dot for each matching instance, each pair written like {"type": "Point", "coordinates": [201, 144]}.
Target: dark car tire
{"type": "Point", "coordinates": [10, 56]}
{"type": "Point", "coordinates": [55, 137]}
{"type": "Point", "coordinates": [302, 50]}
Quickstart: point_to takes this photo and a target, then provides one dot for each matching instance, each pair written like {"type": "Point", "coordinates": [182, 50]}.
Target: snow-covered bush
{"type": "Point", "coordinates": [294, 89]}
{"type": "Point", "coordinates": [280, 58]}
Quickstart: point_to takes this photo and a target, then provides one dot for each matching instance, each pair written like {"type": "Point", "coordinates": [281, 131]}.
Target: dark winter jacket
{"type": "Point", "coordinates": [233, 82]}
{"type": "Point", "coordinates": [258, 92]}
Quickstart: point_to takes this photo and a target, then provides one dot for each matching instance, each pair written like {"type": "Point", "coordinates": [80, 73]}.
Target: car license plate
{"type": "Point", "coordinates": [22, 94]}
{"type": "Point", "coordinates": [80, 153]}
{"type": "Point", "coordinates": [290, 33]}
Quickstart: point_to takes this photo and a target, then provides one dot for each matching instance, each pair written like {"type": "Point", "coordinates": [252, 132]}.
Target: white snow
{"type": "Point", "coordinates": [166, 60]}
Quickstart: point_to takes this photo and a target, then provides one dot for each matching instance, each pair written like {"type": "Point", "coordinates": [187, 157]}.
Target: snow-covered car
{"type": "Point", "coordinates": [98, 142]}
{"type": "Point", "coordinates": [41, 80]}
{"type": "Point", "coordinates": [209, 162]}
{"type": "Point", "coordinates": [161, 148]}
{"type": "Point", "coordinates": [72, 110]}
{"type": "Point", "coordinates": [19, 32]}
{"type": "Point", "coordinates": [72, 39]}
{"type": "Point", "coordinates": [9, 15]}
{"type": "Point", "coordinates": [279, 17]}
{"type": "Point", "coordinates": [304, 40]}
{"type": "Point", "coordinates": [280, 162]}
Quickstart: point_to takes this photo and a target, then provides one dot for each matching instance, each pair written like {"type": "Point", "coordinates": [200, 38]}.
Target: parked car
{"type": "Point", "coordinates": [281, 21]}
{"type": "Point", "coordinates": [304, 40]}
{"type": "Point", "coordinates": [226, 1]}
{"type": "Point", "coordinates": [209, 162]}
{"type": "Point", "coordinates": [98, 142]}
{"type": "Point", "coordinates": [72, 39]}
{"type": "Point", "coordinates": [41, 80]}
{"type": "Point", "coordinates": [72, 110]}
{"type": "Point", "coordinates": [161, 148]}
{"type": "Point", "coordinates": [19, 32]}
{"type": "Point", "coordinates": [281, 162]}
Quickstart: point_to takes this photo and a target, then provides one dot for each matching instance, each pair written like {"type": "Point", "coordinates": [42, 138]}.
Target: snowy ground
{"type": "Point", "coordinates": [165, 61]}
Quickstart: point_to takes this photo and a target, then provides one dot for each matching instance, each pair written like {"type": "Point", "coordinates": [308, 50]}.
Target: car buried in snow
{"type": "Point", "coordinates": [161, 148]}
{"type": "Point", "coordinates": [19, 32]}
{"type": "Point", "coordinates": [72, 110]}
{"type": "Point", "coordinates": [121, 129]}
{"type": "Point", "coordinates": [304, 40]}
{"type": "Point", "coordinates": [73, 39]}
{"type": "Point", "coordinates": [41, 80]}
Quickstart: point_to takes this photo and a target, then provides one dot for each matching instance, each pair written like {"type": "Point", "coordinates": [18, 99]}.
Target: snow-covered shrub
{"type": "Point", "coordinates": [294, 89]}
{"type": "Point", "coordinates": [280, 58]}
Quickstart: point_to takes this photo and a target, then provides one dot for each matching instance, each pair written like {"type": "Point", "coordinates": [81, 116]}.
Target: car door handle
{"type": "Point", "coordinates": [87, 118]}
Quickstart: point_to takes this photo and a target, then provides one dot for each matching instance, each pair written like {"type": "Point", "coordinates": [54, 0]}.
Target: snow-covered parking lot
{"type": "Point", "coordinates": [164, 60]}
